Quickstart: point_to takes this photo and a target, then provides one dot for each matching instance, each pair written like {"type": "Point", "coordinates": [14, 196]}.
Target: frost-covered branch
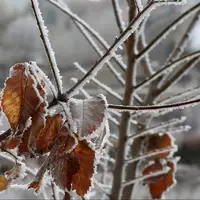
{"type": "Point", "coordinates": [179, 48]}
{"type": "Point", "coordinates": [64, 8]}
{"type": "Point", "coordinates": [166, 69]}
{"type": "Point", "coordinates": [100, 187]}
{"type": "Point", "coordinates": [47, 45]}
{"type": "Point", "coordinates": [118, 15]}
{"type": "Point", "coordinates": [168, 30]}
{"type": "Point", "coordinates": [109, 54]}
{"type": "Point", "coordinates": [100, 84]}
{"type": "Point", "coordinates": [150, 154]}
{"type": "Point", "coordinates": [179, 129]}
{"type": "Point", "coordinates": [99, 52]}
{"type": "Point", "coordinates": [142, 44]}
{"type": "Point", "coordinates": [142, 178]}
{"type": "Point", "coordinates": [186, 95]}
{"type": "Point", "coordinates": [177, 75]}
{"type": "Point", "coordinates": [155, 108]}
{"type": "Point", "coordinates": [158, 127]}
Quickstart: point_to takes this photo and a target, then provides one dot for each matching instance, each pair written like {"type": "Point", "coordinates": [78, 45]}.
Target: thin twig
{"type": "Point", "coordinates": [157, 128]}
{"type": "Point", "coordinates": [180, 47]}
{"type": "Point", "coordinates": [176, 76]}
{"type": "Point", "coordinates": [99, 52]}
{"type": "Point", "coordinates": [142, 178]}
{"type": "Point", "coordinates": [166, 69]}
{"type": "Point", "coordinates": [186, 95]}
{"type": "Point", "coordinates": [47, 45]}
{"type": "Point", "coordinates": [64, 8]}
{"type": "Point", "coordinates": [118, 15]}
{"type": "Point", "coordinates": [155, 108]}
{"type": "Point", "coordinates": [167, 30]}
{"type": "Point", "coordinates": [151, 154]}
{"type": "Point", "coordinates": [109, 54]}
{"type": "Point", "coordinates": [100, 84]}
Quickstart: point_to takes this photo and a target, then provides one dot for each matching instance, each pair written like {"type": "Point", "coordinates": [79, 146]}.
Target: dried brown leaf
{"type": "Point", "coordinates": [159, 184]}
{"type": "Point", "coordinates": [20, 96]}
{"type": "Point", "coordinates": [82, 180]}
{"type": "Point", "coordinates": [3, 183]}
{"type": "Point", "coordinates": [47, 134]}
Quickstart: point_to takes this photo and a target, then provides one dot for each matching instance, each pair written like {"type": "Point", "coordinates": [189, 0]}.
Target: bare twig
{"type": "Point", "coordinates": [109, 54]}
{"type": "Point", "coordinates": [64, 8]}
{"type": "Point", "coordinates": [118, 15]}
{"type": "Point", "coordinates": [176, 76]}
{"type": "Point", "coordinates": [166, 69]}
{"type": "Point", "coordinates": [151, 154]}
{"type": "Point", "coordinates": [142, 178]}
{"type": "Point", "coordinates": [167, 30]}
{"type": "Point", "coordinates": [100, 84]}
{"type": "Point", "coordinates": [99, 52]}
{"type": "Point", "coordinates": [180, 47]}
{"type": "Point", "coordinates": [155, 108]}
{"type": "Point", "coordinates": [155, 129]}
{"type": "Point", "coordinates": [47, 45]}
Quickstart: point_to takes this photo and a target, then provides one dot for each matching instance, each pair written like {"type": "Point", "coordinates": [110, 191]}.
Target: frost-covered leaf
{"type": "Point", "coordinates": [159, 184]}
{"type": "Point", "coordinates": [82, 180]}
{"type": "Point", "coordinates": [89, 116]}
{"type": "Point", "coordinates": [160, 141]}
{"type": "Point", "coordinates": [75, 168]}
{"type": "Point", "coordinates": [3, 183]}
{"type": "Point", "coordinates": [48, 133]}
{"type": "Point", "coordinates": [56, 160]}
{"type": "Point", "coordinates": [22, 95]}
{"type": "Point", "coordinates": [38, 123]}
{"type": "Point", "coordinates": [63, 170]}
{"type": "Point", "coordinates": [70, 161]}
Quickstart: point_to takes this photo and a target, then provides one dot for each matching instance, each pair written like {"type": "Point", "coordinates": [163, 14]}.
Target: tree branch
{"type": "Point", "coordinates": [151, 154]}
{"type": "Point", "coordinates": [179, 47]}
{"type": "Point", "coordinates": [99, 52]}
{"type": "Point", "coordinates": [166, 69]}
{"type": "Point", "coordinates": [118, 16]}
{"type": "Point", "coordinates": [47, 45]}
{"type": "Point", "coordinates": [167, 30]}
{"type": "Point", "coordinates": [64, 8]}
{"type": "Point", "coordinates": [109, 54]}
{"type": "Point", "coordinates": [154, 108]}
{"type": "Point", "coordinates": [142, 178]}
{"type": "Point", "coordinates": [97, 82]}
{"type": "Point", "coordinates": [177, 75]}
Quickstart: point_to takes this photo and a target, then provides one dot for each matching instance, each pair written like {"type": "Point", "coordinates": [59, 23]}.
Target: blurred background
{"type": "Point", "coordinates": [20, 42]}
